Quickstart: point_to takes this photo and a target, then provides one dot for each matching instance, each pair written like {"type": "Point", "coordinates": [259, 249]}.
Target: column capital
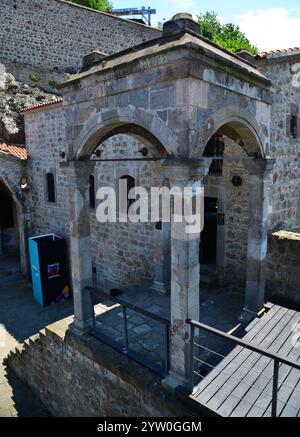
{"type": "Point", "coordinates": [260, 167]}
{"type": "Point", "coordinates": [177, 170]}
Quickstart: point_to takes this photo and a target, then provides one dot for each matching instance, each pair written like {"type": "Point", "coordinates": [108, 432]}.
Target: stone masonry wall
{"type": "Point", "coordinates": [73, 378]}
{"type": "Point", "coordinates": [123, 254]}
{"type": "Point", "coordinates": [283, 265]}
{"type": "Point", "coordinates": [54, 35]}
{"type": "Point", "coordinates": [232, 237]}
{"type": "Point", "coordinates": [284, 193]}
{"type": "Point", "coordinates": [45, 135]}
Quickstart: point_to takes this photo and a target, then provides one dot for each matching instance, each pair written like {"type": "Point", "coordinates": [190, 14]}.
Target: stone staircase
{"type": "Point", "coordinates": [17, 399]}
{"type": "Point", "coordinates": [30, 344]}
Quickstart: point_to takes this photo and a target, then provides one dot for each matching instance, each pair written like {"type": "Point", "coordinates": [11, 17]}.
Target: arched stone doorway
{"type": "Point", "coordinates": [12, 227]}
{"type": "Point", "coordinates": [236, 211]}
{"type": "Point", "coordinates": [129, 254]}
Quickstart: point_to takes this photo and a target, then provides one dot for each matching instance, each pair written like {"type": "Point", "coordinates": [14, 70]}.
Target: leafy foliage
{"type": "Point", "coordinates": [99, 5]}
{"type": "Point", "coordinates": [226, 35]}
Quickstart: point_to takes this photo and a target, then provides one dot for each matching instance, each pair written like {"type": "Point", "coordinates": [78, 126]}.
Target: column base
{"type": "Point", "coordinates": [161, 288]}
{"type": "Point", "coordinates": [173, 381]}
{"type": "Point", "coordinates": [81, 329]}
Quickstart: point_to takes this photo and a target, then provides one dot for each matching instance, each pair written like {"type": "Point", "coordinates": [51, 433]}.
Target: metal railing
{"type": "Point", "coordinates": [126, 348]}
{"type": "Point", "coordinates": [277, 359]}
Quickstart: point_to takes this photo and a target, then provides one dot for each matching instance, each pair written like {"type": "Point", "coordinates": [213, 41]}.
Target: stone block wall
{"type": "Point", "coordinates": [232, 237]}
{"type": "Point", "coordinates": [284, 191]}
{"type": "Point", "coordinates": [283, 265]}
{"type": "Point", "coordinates": [75, 378]}
{"type": "Point", "coordinates": [45, 131]}
{"type": "Point", "coordinates": [123, 254]}
{"type": "Point", "coordinates": [54, 35]}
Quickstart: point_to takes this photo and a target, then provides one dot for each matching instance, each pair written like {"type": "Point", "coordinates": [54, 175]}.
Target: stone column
{"type": "Point", "coordinates": [77, 174]}
{"type": "Point", "coordinates": [259, 172]}
{"type": "Point", "coordinates": [185, 271]}
{"type": "Point", "coordinates": [162, 280]}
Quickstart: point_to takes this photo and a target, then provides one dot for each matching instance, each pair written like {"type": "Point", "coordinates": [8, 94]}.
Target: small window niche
{"type": "Point", "coordinates": [130, 185]}
{"type": "Point", "coordinates": [215, 148]}
{"type": "Point", "coordinates": [51, 197]}
{"type": "Point", "coordinates": [294, 126]}
{"type": "Point", "coordinates": [92, 194]}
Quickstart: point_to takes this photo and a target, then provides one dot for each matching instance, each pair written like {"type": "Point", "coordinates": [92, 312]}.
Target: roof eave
{"type": "Point", "coordinates": [189, 45]}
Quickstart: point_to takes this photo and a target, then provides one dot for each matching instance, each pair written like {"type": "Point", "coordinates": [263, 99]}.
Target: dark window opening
{"type": "Point", "coordinates": [7, 211]}
{"type": "Point", "coordinates": [51, 188]}
{"type": "Point", "coordinates": [215, 147]}
{"type": "Point", "coordinates": [294, 126]}
{"type": "Point", "coordinates": [208, 245]}
{"type": "Point", "coordinates": [130, 185]}
{"type": "Point", "coordinates": [92, 192]}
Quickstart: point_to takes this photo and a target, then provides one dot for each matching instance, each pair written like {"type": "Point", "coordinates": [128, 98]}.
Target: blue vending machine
{"type": "Point", "coordinates": [49, 269]}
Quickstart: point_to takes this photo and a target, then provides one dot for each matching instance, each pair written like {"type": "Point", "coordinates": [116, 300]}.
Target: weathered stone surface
{"type": "Point", "coordinates": [28, 44]}
{"type": "Point", "coordinates": [283, 265]}
{"type": "Point", "coordinates": [88, 379]}
{"type": "Point", "coordinates": [15, 96]}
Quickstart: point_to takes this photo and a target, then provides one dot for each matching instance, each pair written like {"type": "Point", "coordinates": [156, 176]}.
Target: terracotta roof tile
{"type": "Point", "coordinates": [16, 150]}
{"type": "Point", "coordinates": [264, 55]}
{"type": "Point", "coordinates": [42, 105]}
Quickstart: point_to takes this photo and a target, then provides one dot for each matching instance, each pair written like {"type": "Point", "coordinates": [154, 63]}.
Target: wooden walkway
{"type": "Point", "coordinates": [241, 384]}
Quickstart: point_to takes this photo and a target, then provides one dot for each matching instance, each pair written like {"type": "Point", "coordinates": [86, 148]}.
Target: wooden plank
{"type": "Point", "coordinates": [241, 409]}
{"type": "Point", "coordinates": [259, 380]}
{"type": "Point", "coordinates": [283, 347]}
{"type": "Point", "coordinates": [289, 411]}
{"type": "Point", "coordinates": [265, 320]}
{"type": "Point", "coordinates": [264, 365]}
{"type": "Point", "coordinates": [242, 383]}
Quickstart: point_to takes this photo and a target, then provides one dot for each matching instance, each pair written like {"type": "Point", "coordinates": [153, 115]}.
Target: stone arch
{"type": "Point", "coordinates": [149, 128]}
{"type": "Point", "coordinates": [239, 125]}
{"type": "Point", "coordinates": [14, 191]}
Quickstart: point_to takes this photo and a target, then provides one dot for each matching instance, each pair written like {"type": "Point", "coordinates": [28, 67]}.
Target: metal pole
{"type": "Point", "coordinates": [275, 388]}
{"type": "Point", "coordinates": [167, 340]}
{"type": "Point", "coordinates": [126, 348]}
{"type": "Point", "coordinates": [93, 309]}
{"type": "Point", "coordinates": [192, 358]}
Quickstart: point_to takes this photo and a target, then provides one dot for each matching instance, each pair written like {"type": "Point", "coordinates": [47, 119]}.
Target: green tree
{"type": "Point", "coordinates": [226, 35]}
{"type": "Point", "coordinates": [99, 5]}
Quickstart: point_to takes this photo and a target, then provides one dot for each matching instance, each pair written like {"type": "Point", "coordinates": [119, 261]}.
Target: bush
{"type": "Point", "coordinates": [34, 77]}
{"type": "Point", "coordinates": [99, 5]}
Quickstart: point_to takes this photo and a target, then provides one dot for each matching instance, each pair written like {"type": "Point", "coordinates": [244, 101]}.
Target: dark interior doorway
{"type": "Point", "coordinates": [8, 233]}
{"type": "Point", "coordinates": [208, 245]}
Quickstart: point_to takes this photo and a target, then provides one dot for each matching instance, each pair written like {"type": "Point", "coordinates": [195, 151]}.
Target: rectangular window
{"type": "Point", "coordinates": [50, 188]}
{"type": "Point", "coordinates": [294, 126]}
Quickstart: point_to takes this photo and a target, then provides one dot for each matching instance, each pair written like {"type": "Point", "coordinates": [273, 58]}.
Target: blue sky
{"type": "Point", "coordinates": [269, 24]}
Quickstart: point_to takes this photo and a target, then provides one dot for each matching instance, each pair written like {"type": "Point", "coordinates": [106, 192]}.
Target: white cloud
{"type": "Point", "coordinates": [182, 5]}
{"type": "Point", "coordinates": [271, 29]}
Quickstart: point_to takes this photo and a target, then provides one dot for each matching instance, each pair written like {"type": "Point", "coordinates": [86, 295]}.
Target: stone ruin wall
{"type": "Point", "coordinates": [48, 39]}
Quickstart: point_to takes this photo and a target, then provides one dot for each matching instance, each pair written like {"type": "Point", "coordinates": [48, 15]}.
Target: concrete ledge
{"type": "Point", "coordinates": [287, 235]}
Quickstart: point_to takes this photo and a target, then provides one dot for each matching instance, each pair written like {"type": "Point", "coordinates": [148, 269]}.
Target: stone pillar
{"type": "Point", "coordinates": [77, 174]}
{"type": "Point", "coordinates": [259, 172]}
{"type": "Point", "coordinates": [162, 280]}
{"type": "Point", "coordinates": [185, 272]}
